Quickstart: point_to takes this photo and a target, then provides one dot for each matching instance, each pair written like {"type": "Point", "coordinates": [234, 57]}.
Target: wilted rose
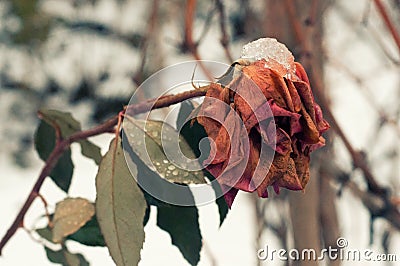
{"type": "Point", "coordinates": [261, 107]}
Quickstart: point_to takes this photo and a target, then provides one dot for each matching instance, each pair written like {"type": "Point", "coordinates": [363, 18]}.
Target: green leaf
{"type": "Point", "coordinates": [70, 215]}
{"type": "Point", "coordinates": [227, 77]}
{"type": "Point", "coordinates": [190, 130]}
{"type": "Point", "coordinates": [45, 233]}
{"type": "Point", "coordinates": [34, 24]}
{"type": "Point", "coordinates": [120, 207]}
{"type": "Point", "coordinates": [146, 214]}
{"type": "Point", "coordinates": [68, 126]}
{"type": "Point", "coordinates": [64, 121]}
{"type": "Point", "coordinates": [45, 142]}
{"type": "Point", "coordinates": [91, 151]}
{"type": "Point", "coordinates": [193, 132]}
{"type": "Point", "coordinates": [150, 179]}
{"type": "Point", "coordinates": [182, 224]}
{"type": "Point", "coordinates": [66, 258]}
{"type": "Point", "coordinates": [187, 216]}
{"type": "Point", "coordinates": [223, 208]}
{"type": "Point", "coordinates": [151, 151]}
{"type": "Point", "coordinates": [89, 234]}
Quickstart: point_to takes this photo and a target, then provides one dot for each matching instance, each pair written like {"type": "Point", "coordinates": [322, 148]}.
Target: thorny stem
{"type": "Point", "coordinates": [106, 127]}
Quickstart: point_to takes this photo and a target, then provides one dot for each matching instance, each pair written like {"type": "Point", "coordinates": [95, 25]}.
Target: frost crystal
{"type": "Point", "coordinates": [276, 55]}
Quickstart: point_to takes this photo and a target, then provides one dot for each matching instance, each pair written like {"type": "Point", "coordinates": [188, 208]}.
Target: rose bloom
{"type": "Point", "coordinates": [264, 126]}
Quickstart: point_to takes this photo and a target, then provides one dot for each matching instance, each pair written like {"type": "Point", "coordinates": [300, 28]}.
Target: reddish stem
{"type": "Point", "coordinates": [385, 16]}
{"type": "Point", "coordinates": [106, 127]}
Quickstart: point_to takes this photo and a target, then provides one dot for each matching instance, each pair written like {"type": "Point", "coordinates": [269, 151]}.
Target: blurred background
{"type": "Point", "coordinates": [89, 56]}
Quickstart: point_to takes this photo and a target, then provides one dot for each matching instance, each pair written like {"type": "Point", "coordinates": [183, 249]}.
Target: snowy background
{"type": "Point", "coordinates": [361, 74]}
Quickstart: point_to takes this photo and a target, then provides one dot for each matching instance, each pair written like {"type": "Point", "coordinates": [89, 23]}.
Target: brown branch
{"type": "Point", "coordinates": [258, 220]}
{"type": "Point", "coordinates": [207, 25]}
{"type": "Point", "coordinates": [378, 206]}
{"type": "Point", "coordinates": [366, 91]}
{"type": "Point", "coordinates": [222, 25]}
{"type": "Point", "coordinates": [152, 22]}
{"type": "Point", "coordinates": [357, 157]}
{"type": "Point", "coordinates": [330, 228]}
{"type": "Point", "coordinates": [389, 24]}
{"type": "Point", "coordinates": [297, 27]}
{"type": "Point", "coordinates": [189, 44]}
{"type": "Point", "coordinates": [46, 208]}
{"type": "Point", "coordinates": [165, 101]}
{"type": "Point", "coordinates": [106, 127]}
{"type": "Point", "coordinates": [352, 22]}
{"type": "Point", "coordinates": [378, 38]}
{"type": "Point", "coordinates": [312, 16]}
{"type": "Point", "coordinates": [56, 127]}
{"type": "Point", "coordinates": [376, 198]}
{"type": "Point", "coordinates": [211, 256]}
{"type": "Point", "coordinates": [189, 17]}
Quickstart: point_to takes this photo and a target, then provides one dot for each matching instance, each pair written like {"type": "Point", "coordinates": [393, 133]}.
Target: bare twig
{"type": "Point", "coordinates": [296, 25]}
{"type": "Point", "coordinates": [352, 22]}
{"type": "Point", "coordinates": [138, 78]}
{"type": "Point", "coordinates": [377, 205]}
{"type": "Point", "coordinates": [58, 150]}
{"type": "Point", "coordinates": [389, 24]}
{"type": "Point", "coordinates": [316, 80]}
{"type": "Point", "coordinates": [376, 191]}
{"type": "Point", "coordinates": [207, 25]}
{"type": "Point", "coordinates": [57, 129]}
{"type": "Point", "coordinates": [209, 252]}
{"type": "Point", "coordinates": [106, 127]}
{"type": "Point", "coordinates": [259, 221]}
{"type": "Point", "coordinates": [357, 156]}
{"type": "Point", "coordinates": [189, 18]}
{"type": "Point", "coordinates": [312, 16]}
{"type": "Point", "coordinates": [363, 85]}
{"type": "Point", "coordinates": [222, 25]}
{"type": "Point", "coordinates": [46, 209]}
{"type": "Point", "coordinates": [189, 43]}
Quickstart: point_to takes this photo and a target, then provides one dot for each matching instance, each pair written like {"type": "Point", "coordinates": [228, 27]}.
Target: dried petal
{"type": "Point", "coordinates": [264, 127]}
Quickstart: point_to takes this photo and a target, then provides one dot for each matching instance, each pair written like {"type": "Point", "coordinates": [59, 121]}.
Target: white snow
{"type": "Point", "coordinates": [272, 51]}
